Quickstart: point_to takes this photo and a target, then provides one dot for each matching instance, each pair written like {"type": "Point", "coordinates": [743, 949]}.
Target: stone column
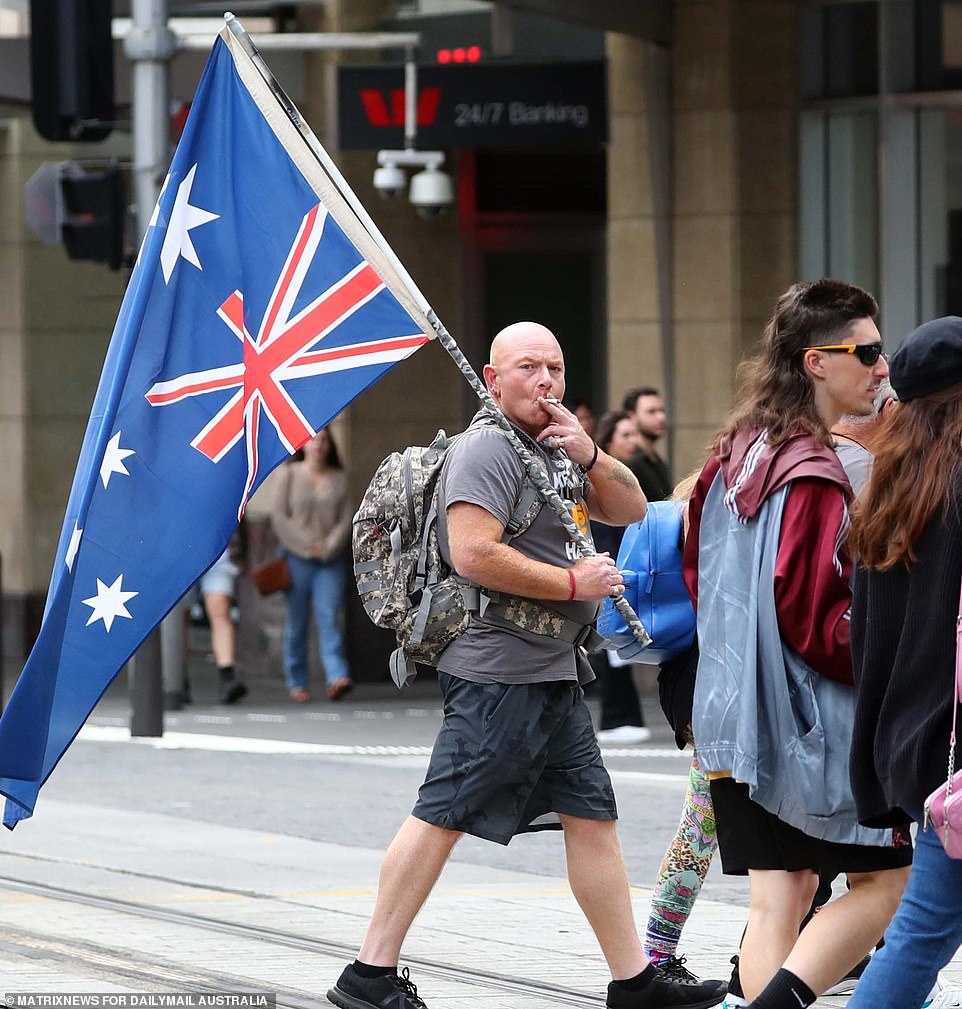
{"type": "Point", "coordinates": [14, 550]}
{"type": "Point", "coordinates": [735, 207]}
{"type": "Point", "coordinates": [639, 222]}
{"type": "Point", "coordinates": [57, 320]}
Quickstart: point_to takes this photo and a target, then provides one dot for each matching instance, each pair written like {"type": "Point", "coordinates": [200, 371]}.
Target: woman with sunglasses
{"type": "Point", "coordinates": [907, 536]}
{"type": "Point", "coordinates": [766, 564]}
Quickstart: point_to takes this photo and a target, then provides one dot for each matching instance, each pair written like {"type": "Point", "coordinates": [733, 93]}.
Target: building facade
{"type": "Point", "coordinates": [742, 144]}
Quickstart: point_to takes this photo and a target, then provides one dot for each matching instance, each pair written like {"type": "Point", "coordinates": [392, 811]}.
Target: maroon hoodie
{"type": "Point", "coordinates": [812, 568]}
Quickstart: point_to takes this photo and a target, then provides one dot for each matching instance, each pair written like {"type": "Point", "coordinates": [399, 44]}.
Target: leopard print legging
{"type": "Point", "coordinates": [683, 869]}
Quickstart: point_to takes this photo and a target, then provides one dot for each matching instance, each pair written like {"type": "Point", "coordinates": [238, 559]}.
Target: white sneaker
{"type": "Point", "coordinates": [941, 997]}
{"type": "Point", "coordinates": [847, 985]}
{"type": "Point", "coordinates": [733, 1002]}
{"type": "Point", "coordinates": [625, 734]}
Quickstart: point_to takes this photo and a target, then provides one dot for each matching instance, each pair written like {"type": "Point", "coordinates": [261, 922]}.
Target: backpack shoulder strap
{"type": "Point", "coordinates": [529, 503]}
{"type": "Point", "coordinates": [519, 520]}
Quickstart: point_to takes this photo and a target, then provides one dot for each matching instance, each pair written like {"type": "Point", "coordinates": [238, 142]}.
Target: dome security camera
{"type": "Point", "coordinates": [431, 192]}
{"type": "Point", "coordinates": [389, 180]}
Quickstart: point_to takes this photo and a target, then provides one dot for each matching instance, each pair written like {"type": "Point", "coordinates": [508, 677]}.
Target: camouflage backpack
{"type": "Point", "coordinates": [402, 579]}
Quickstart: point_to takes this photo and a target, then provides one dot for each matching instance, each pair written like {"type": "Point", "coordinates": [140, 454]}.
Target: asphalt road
{"type": "Point", "coordinates": [350, 797]}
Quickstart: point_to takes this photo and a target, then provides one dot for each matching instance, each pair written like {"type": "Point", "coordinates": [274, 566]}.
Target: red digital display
{"type": "Point", "coordinates": [461, 54]}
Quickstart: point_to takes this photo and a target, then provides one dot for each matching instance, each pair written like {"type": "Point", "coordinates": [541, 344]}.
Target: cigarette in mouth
{"type": "Point", "coordinates": [551, 399]}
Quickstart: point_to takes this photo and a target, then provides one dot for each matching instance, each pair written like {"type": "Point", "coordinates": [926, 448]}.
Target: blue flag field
{"type": "Point", "coordinates": [258, 309]}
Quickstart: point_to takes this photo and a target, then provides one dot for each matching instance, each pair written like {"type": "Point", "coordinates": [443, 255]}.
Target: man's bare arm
{"type": "Point", "coordinates": [474, 537]}
{"type": "Point", "coordinates": [615, 497]}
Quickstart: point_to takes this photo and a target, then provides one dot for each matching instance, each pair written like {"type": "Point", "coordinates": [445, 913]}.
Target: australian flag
{"type": "Point", "coordinates": [251, 320]}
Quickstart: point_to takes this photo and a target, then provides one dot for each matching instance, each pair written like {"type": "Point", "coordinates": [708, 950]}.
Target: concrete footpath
{"type": "Point", "coordinates": [493, 921]}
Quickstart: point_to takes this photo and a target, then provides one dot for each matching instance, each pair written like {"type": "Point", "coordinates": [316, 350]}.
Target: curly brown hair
{"type": "Point", "coordinates": [775, 392]}
{"type": "Point", "coordinates": [919, 450]}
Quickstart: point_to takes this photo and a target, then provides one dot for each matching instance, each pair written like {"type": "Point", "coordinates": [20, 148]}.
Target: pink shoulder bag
{"type": "Point", "coordinates": [943, 808]}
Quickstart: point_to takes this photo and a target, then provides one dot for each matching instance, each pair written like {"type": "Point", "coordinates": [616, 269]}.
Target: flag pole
{"type": "Point", "coordinates": [535, 469]}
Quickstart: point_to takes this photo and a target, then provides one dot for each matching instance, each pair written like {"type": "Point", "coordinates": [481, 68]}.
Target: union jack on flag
{"type": "Point", "coordinates": [258, 309]}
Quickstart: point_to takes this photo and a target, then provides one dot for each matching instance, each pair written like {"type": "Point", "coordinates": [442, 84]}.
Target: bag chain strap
{"type": "Point", "coordinates": [956, 699]}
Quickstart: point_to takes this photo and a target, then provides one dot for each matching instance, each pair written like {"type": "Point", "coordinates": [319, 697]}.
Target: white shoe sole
{"type": "Point", "coordinates": [626, 734]}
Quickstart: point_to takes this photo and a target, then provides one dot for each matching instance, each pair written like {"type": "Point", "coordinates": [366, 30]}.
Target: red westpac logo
{"type": "Point", "coordinates": [391, 113]}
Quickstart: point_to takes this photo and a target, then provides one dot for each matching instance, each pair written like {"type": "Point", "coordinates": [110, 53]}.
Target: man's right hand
{"type": "Point", "coordinates": [596, 577]}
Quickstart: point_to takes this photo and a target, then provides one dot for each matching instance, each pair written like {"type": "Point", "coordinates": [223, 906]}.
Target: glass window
{"type": "Point", "coordinates": [940, 212]}
{"type": "Point", "coordinates": [839, 197]}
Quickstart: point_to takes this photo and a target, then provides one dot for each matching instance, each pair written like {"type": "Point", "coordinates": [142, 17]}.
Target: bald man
{"type": "Point", "coordinates": [517, 751]}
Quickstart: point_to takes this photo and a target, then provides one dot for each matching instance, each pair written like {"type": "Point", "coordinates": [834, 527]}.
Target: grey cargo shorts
{"type": "Point", "coordinates": [510, 755]}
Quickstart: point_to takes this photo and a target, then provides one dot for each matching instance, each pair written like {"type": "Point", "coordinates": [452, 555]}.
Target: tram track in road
{"type": "Point", "coordinates": [122, 965]}
{"type": "Point", "coordinates": [134, 966]}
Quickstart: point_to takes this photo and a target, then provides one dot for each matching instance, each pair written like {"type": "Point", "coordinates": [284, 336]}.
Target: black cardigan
{"type": "Point", "coordinates": [903, 649]}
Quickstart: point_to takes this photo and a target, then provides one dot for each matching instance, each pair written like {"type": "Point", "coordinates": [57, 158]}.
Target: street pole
{"type": "Point", "coordinates": [149, 47]}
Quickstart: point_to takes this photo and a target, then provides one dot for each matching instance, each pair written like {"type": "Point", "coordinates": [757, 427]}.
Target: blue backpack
{"type": "Point", "coordinates": [650, 561]}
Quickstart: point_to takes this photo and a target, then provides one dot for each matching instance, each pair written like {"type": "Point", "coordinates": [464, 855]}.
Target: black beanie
{"type": "Point", "coordinates": [928, 359]}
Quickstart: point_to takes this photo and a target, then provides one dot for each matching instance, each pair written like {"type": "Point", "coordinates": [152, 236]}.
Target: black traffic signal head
{"type": "Point", "coordinates": [94, 213]}
{"type": "Point", "coordinates": [72, 69]}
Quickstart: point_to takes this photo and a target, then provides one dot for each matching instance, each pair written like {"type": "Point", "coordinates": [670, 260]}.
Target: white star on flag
{"type": "Point", "coordinates": [73, 547]}
{"type": "Point", "coordinates": [109, 602]}
{"type": "Point", "coordinates": [183, 218]}
{"type": "Point", "coordinates": [114, 457]}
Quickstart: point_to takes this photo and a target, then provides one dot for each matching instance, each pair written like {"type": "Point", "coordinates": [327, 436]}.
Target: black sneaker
{"type": "Point", "coordinates": [847, 985]}
{"type": "Point", "coordinates": [674, 968]}
{"type": "Point", "coordinates": [389, 991]}
{"type": "Point", "coordinates": [668, 993]}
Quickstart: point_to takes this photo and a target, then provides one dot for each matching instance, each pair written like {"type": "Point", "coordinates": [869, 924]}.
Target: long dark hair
{"type": "Point", "coordinates": [333, 456]}
{"type": "Point", "coordinates": [775, 392]}
{"type": "Point", "coordinates": [919, 450]}
{"type": "Point", "coordinates": [606, 427]}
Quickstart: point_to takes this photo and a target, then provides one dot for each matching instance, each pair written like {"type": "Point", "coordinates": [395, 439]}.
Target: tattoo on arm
{"type": "Point", "coordinates": [621, 474]}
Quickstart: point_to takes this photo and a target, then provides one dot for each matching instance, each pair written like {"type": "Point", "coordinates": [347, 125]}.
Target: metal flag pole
{"type": "Point", "coordinates": [535, 469]}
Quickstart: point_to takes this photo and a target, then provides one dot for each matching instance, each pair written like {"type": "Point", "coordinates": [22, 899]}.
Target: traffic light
{"type": "Point", "coordinates": [72, 69]}
{"type": "Point", "coordinates": [94, 213]}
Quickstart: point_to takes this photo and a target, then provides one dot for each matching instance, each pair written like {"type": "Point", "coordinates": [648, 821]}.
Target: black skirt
{"type": "Point", "coordinates": [749, 837]}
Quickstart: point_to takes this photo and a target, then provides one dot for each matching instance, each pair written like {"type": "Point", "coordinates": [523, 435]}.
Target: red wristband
{"type": "Point", "coordinates": [574, 585]}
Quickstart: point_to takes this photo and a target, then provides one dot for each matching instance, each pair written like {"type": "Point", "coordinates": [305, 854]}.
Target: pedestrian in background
{"type": "Point", "coordinates": [218, 587]}
{"type": "Point", "coordinates": [312, 520]}
{"type": "Point", "coordinates": [907, 537]}
{"type": "Point", "coordinates": [651, 417]}
{"type": "Point", "coordinates": [621, 718]}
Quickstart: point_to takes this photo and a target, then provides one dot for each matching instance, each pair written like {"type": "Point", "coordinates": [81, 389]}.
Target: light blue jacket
{"type": "Point", "coordinates": [760, 711]}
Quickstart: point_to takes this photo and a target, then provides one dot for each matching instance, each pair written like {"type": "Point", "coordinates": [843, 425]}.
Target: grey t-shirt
{"type": "Point", "coordinates": [483, 469]}
{"type": "Point", "coordinates": [856, 461]}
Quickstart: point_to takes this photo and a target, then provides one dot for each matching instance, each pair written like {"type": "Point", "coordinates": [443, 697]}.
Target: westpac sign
{"type": "Point", "coordinates": [475, 105]}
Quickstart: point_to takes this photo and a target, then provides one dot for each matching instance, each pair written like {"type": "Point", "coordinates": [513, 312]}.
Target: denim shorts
{"type": "Point", "coordinates": [510, 757]}
{"type": "Point", "coordinates": [221, 577]}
